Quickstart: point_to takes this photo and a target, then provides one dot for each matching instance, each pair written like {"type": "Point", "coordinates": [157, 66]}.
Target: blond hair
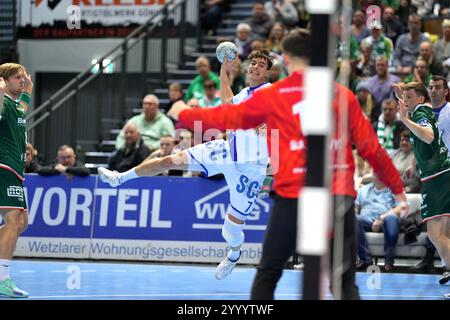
{"type": "Point", "coordinates": [419, 88]}
{"type": "Point", "coordinates": [10, 69]}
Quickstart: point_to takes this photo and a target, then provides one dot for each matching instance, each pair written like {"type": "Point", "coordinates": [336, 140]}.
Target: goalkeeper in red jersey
{"type": "Point", "coordinates": [276, 106]}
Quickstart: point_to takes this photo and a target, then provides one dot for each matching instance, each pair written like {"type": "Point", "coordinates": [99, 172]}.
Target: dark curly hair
{"type": "Point", "coordinates": [263, 54]}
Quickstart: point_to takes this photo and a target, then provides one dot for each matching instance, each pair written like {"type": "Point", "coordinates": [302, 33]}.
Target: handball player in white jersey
{"type": "Point", "coordinates": [242, 159]}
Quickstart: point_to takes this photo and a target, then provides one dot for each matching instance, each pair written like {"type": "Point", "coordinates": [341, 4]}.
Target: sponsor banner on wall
{"type": "Point", "coordinates": [154, 219]}
{"type": "Point", "coordinates": [83, 18]}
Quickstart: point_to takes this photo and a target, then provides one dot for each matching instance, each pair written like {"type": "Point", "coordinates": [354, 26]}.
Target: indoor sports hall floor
{"type": "Point", "coordinates": [53, 279]}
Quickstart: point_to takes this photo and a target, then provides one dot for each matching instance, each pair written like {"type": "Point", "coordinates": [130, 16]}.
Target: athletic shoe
{"type": "Point", "coordinates": [108, 176]}
{"type": "Point", "coordinates": [445, 277]}
{"type": "Point", "coordinates": [9, 289]}
{"type": "Point", "coordinates": [225, 268]}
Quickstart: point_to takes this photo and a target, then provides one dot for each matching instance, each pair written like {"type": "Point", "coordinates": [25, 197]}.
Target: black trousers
{"type": "Point", "coordinates": [280, 243]}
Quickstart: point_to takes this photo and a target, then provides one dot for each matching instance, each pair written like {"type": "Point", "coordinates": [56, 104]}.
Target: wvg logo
{"type": "Point", "coordinates": [210, 207]}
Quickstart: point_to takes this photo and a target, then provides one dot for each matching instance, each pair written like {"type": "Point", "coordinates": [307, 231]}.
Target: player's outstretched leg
{"type": "Point", "coordinates": [150, 167]}
{"type": "Point", "coordinates": [234, 236]}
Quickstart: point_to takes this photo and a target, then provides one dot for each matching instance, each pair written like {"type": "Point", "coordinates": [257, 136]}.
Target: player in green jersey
{"type": "Point", "coordinates": [433, 162]}
{"type": "Point", "coordinates": [15, 94]}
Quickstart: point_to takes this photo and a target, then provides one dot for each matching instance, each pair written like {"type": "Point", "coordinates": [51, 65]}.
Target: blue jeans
{"type": "Point", "coordinates": [391, 230]}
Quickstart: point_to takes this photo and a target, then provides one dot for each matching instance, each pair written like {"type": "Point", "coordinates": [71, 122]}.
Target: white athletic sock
{"type": "Point", "coordinates": [130, 174]}
{"type": "Point", "coordinates": [5, 266]}
{"type": "Point", "coordinates": [233, 235]}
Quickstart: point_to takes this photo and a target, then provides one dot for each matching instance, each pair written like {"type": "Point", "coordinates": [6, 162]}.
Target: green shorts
{"type": "Point", "coordinates": [436, 197]}
{"type": "Point", "coordinates": [12, 196]}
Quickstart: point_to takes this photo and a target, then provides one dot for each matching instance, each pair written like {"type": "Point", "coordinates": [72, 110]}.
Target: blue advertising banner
{"type": "Point", "coordinates": [153, 218]}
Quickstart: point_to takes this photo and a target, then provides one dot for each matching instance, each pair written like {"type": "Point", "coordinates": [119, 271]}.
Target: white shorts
{"type": "Point", "coordinates": [244, 180]}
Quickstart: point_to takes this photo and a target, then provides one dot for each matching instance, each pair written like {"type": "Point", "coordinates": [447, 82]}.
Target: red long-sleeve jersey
{"type": "Point", "coordinates": [278, 106]}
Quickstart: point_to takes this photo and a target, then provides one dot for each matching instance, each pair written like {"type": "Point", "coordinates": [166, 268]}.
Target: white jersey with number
{"type": "Point", "coordinates": [242, 159]}
{"type": "Point", "coordinates": [246, 145]}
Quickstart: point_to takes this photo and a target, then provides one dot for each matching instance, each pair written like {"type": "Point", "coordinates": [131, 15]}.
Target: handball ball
{"type": "Point", "coordinates": [228, 48]}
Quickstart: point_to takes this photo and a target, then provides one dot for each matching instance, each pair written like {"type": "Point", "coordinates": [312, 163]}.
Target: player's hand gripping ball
{"type": "Point", "coordinates": [226, 48]}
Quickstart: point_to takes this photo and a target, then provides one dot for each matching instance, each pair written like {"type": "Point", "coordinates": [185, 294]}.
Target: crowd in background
{"type": "Point", "coordinates": [371, 55]}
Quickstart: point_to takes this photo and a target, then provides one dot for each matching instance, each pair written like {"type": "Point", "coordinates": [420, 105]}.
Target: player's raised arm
{"type": "Point", "coordinates": [248, 114]}
{"type": "Point", "coordinates": [25, 96]}
{"type": "Point", "coordinates": [226, 94]}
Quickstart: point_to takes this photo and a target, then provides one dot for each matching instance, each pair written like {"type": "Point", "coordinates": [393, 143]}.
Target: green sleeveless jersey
{"type": "Point", "coordinates": [432, 158]}
{"type": "Point", "coordinates": [13, 135]}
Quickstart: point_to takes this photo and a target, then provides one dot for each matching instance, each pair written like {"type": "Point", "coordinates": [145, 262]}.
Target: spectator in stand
{"type": "Point", "coordinates": [257, 45]}
{"type": "Point", "coordinates": [442, 47]}
{"type": "Point", "coordinates": [31, 165]}
{"type": "Point", "coordinates": [426, 53]}
{"type": "Point", "coordinates": [185, 140]}
{"type": "Point", "coordinates": [359, 28]}
{"type": "Point", "coordinates": [243, 40]}
{"type": "Point", "coordinates": [344, 69]}
{"type": "Point", "coordinates": [381, 84]}
{"type": "Point", "coordinates": [66, 163]}
{"type": "Point", "coordinates": [260, 22]}
{"type": "Point", "coordinates": [444, 6]}
{"type": "Point", "coordinates": [275, 40]}
{"type": "Point", "coordinates": [364, 66]}
{"type": "Point", "coordinates": [377, 211]}
{"type": "Point", "coordinates": [365, 98]}
{"type": "Point", "coordinates": [404, 11]}
{"type": "Point", "coordinates": [303, 15]}
{"type": "Point", "coordinates": [211, 98]}
{"type": "Point", "coordinates": [389, 127]}
{"type": "Point", "coordinates": [151, 123]}
{"type": "Point", "coordinates": [394, 4]}
{"type": "Point", "coordinates": [197, 87]}
{"type": "Point", "coordinates": [404, 158]}
{"type": "Point", "coordinates": [407, 46]}
{"type": "Point", "coordinates": [236, 76]}
{"type": "Point", "coordinates": [212, 14]}
{"type": "Point", "coordinates": [424, 7]}
{"type": "Point", "coordinates": [175, 94]}
{"type": "Point", "coordinates": [393, 28]}
{"type": "Point", "coordinates": [345, 49]}
{"type": "Point", "coordinates": [193, 103]}
{"type": "Point", "coordinates": [282, 11]}
{"type": "Point", "coordinates": [381, 45]}
{"type": "Point", "coordinates": [166, 149]}
{"type": "Point", "coordinates": [132, 153]}
{"type": "Point", "coordinates": [277, 71]}
{"type": "Point", "coordinates": [166, 144]}
{"type": "Point", "coordinates": [420, 73]}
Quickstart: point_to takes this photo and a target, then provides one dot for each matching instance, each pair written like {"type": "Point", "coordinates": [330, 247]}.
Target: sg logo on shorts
{"type": "Point", "coordinates": [16, 192]}
{"type": "Point", "coordinates": [245, 184]}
